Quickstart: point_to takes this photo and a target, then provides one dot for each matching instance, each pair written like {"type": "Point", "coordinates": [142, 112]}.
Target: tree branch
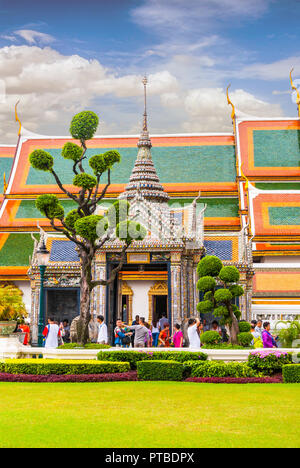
{"type": "Point", "coordinates": [114, 272]}
{"type": "Point", "coordinates": [70, 195]}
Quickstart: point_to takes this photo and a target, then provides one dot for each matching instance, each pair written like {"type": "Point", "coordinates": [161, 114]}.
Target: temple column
{"type": "Point", "coordinates": [99, 293]}
{"type": "Point", "coordinates": [34, 313]}
{"type": "Point", "coordinates": [196, 260]}
{"type": "Point", "coordinates": [176, 287]}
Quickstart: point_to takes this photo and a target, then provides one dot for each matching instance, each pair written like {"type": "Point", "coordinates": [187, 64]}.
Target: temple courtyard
{"type": "Point", "coordinates": [149, 414]}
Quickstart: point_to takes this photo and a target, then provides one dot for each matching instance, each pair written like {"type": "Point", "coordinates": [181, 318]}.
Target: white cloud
{"type": "Point", "coordinates": [207, 109]}
{"type": "Point", "coordinates": [278, 70]}
{"type": "Point", "coordinates": [34, 37]}
{"type": "Point", "coordinates": [179, 15]}
{"type": "Point", "coordinates": [53, 87]}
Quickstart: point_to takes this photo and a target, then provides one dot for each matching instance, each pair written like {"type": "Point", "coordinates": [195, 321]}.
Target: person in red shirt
{"type": "Point", "coordinates": [25, 329]}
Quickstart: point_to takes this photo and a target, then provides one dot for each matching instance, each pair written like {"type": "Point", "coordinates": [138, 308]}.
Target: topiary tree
{"type": "Point", "coordinates": [213, 273]}
{"type": "Point", "coordinates": [81, 225]}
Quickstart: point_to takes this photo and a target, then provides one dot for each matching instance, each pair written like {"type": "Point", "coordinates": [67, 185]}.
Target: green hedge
{"type": "Point", "coordinates": [159, 370]}
{"type": "Point", "coordinates": [62, 367]}
{"type": "Point", "coordinates": [291, 373]}
{"type": "Point", "coordinates": [133, 357]}
{"type": "Point", "coordinates": [87, 346]}
{"type": "Point", "coordinates": [219, 369]}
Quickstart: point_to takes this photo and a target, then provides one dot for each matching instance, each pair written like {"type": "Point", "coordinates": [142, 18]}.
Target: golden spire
{"type": "Point", "coordinates": [231, 104]}
{"type": "Point", "coordinates": [145, 124]}
{"type": "Point", "coordinates": [17, 118]}
{"type": "Point", "coordinates": [145, 138]}
{"type": "Point", "coordinates": [297, 91]}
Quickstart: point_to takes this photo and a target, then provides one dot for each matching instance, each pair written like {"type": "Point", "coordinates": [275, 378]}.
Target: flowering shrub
{"type": "Point", "coordinates": [119, 377]}
{"type": "Point", "coordinates": [237, 380]}
{"type": "Point", "coordinates": [269, 361]}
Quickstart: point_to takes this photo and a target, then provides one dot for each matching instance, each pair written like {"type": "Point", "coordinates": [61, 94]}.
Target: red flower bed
{"type": "Point", "coordinates": [121, 377]}
{"type": "Point", "coordinates": [236, 380]}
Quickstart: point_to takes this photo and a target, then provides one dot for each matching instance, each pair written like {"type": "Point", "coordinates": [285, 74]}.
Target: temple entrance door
{"type": "Point", "coordinates": [158, 301]}
{"type": "Point", "coordinates": [62, 304]}
{"type": "Point", "coordinates": [126, 311]}
{"type": "Point", "coordinates": [160, 307]}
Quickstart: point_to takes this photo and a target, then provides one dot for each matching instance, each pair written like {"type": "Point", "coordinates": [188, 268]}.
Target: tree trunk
{"type": "Point", "coordinates": [234, 327]}
{"type": "Point", "coordinates": [85, 300]}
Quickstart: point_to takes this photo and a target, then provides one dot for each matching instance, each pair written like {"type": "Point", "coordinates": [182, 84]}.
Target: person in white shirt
{"type": "Point", "coordinates": [193, 334]}
{"type": "Point", "coordinates": [102, 330]}
{"type": "Point", "coordinates": [51, 334]}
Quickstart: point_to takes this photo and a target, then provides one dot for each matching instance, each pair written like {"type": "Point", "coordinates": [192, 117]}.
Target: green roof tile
{"type": "Point", "coordinates": [175, 164]}
{"type": "Point", "coordinates": [16, 250]}
{"type": "Point", "coordinates": [276, 148]}
{"type": "Point", "coordinates": [284, 215]}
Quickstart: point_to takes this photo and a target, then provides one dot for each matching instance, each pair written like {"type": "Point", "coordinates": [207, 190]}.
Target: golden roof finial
{"type": "Point", "coordinates": [231, 104]}
{"type": "Point", "coordinates": [17, 118]}
{"type": "Point", "coordinates": [297, 91]}
{"type": "Point", "coordinates": [4, 183]}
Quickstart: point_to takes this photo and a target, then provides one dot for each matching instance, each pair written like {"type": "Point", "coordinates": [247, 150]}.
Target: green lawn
{"type": "Point", "coordinates": [149, 414]}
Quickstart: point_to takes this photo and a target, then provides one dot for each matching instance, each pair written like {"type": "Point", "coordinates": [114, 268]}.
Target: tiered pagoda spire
{"type": "Point", "coordinates": [144, 178]}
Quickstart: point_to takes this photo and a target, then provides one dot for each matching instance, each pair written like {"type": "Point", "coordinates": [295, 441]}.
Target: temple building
{"type": "Point", "coordinates": [235, 195]}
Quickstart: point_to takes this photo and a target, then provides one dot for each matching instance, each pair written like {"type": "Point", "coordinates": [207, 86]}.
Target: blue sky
{"type": "Point", "coordinates": [60, 57]}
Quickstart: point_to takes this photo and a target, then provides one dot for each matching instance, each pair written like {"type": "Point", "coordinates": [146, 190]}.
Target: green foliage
{"type": "Point", "coordinates": [223, 295]}
{"type": "Point", "coordinates": [111, 157]}
{"type": "Point", "coordinates": [205, 307]}
{"type": "Point", "coordinates": [206, 283]}
{"type": "Point", "coordinates": [71, 219]}
{"type": "Point", "coordinates": [236, 311]}
{"type": "Point", "coordinates": [118, 212]}
{"type": "Point", "coordinates": [244, 327]}
{"type": "Point", "coordinates": [159, 370]}
{"type": "Point", "coordinates": [236, 290]}
{"type": "Point", "coordinates": [222, 369]}
{"type": "Point", "coordinates": [221, 311]}
{"type": "Point", "coordinates": [291, 373]}
{"type": "Point", "coordinates": [289, 334]}
{"type": "Point", "coordinates": [133, 357]}
{"type": "Point", "coordinates": [98, 164]}
{"type": "Point", "coordinates": [86, 181]}
{"type": "Point", "coordinates": [86, 346]}
{"type": "Point", "coordinates": [224, 346]}
{"type": "Point", "coordinates": [245, 339]}
{"type": "Point", "coordinates": [84, 125]}
{"type": "Point", "coordinates": [208, 296]}
{"type": "Point", "coordinates": [87, 227]}
{"type": "Point", "coordinates": [268, 362]}
{"type": "Point", "coordinates": [72, 151]}
{"type": "Point", "coordinates": [210, 337]}
{"type": "Point", "coordinates": [130, 231]}
{"type": "Point", "coordinates": [209, 266]}
{"type": "Point", "coordinates": [229, 274]}
{"type": "Point", "coordinates": [61, 367]}
{"type": "Point", "coordinates": [49, 206]}
{"type": "Point", "coordinates": [41, 160]}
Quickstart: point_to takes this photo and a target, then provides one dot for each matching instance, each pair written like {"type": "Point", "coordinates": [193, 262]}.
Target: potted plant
{"type": "Point", "coordinates": [12, 309]}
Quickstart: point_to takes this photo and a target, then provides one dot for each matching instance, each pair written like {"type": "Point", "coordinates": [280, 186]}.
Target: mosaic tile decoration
{"type": "Point", "coordinates": [276, 214]}
{"type": "Point", "coordinates": [270, 148]}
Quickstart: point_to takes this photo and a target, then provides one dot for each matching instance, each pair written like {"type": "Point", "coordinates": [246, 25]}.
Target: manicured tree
{"type": "Point", "coordinates": [213, 273]}
{"type": "Point", "coordinates": [82, 226]}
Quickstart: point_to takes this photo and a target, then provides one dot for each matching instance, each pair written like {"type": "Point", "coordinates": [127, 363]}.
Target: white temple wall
{"type": "Point", "coordinates": [25, 287]}
{"type": "Point", "coordinates": [140, 299]}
